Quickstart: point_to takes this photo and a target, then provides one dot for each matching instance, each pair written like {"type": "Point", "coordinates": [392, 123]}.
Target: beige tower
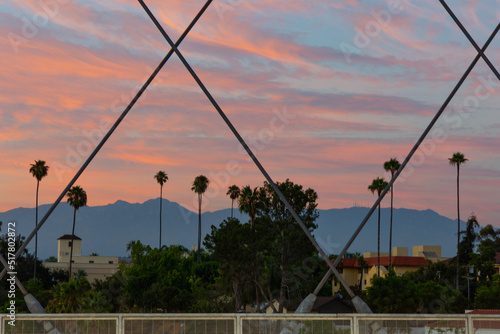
{"type": "Point", "coordinates": [64, 247]}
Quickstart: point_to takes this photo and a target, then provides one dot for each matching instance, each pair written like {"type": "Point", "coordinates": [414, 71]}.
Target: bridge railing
{"type": "Point", "coordinates": [249, 324]}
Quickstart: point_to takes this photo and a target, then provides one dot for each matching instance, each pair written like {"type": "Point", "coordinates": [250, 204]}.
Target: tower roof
{"type": "Point", "coordinates": [69, 237]}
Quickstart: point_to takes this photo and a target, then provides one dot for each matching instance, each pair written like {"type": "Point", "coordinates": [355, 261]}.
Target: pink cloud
{"type": "Point", "coordinates": [87, 64]}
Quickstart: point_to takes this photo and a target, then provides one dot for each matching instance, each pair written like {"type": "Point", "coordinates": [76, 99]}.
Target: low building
{"type": "Point", "coordinates": [356, 274]}
{"type": "Point", "coordinates": [430, 253]}
{"type": "Point", "coordinates": [96, 267]}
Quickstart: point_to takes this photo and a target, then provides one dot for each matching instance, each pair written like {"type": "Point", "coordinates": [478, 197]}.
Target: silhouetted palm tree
{"type": "Point", "coordinates": [200, 185]}
{"type": "Point", "coordinates": [248, 202]}
{"type": "Point", "coordinates": [456, 160]}
{"type": "Point", "coordinates": [39, 170]}
{"type": "Point", "coordinates": [135, 247]}
{"type": "Point", "coordinates": [391, 166]}
{"type": "Point", "coordinates": [378, 185]}
{"type": "Point", "coordinates": [233, 192]}
{"type": "Point", "coordinates": [161, 177]}
{"type": "Point", "coordinates": [77, 198]}
{"type": "Point", "coordinates": [362, 264]}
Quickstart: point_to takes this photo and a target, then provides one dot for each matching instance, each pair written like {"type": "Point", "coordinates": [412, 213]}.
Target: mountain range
{"type": "Point", "coordinates": [107, 229]}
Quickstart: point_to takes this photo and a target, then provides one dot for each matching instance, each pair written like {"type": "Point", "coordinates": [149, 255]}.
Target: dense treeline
{"type": "Point", "coordinates": [247, 265]}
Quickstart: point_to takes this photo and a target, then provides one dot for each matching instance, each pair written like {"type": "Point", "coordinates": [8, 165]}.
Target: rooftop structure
{"type": "Point", "coordinates": [356, 274]}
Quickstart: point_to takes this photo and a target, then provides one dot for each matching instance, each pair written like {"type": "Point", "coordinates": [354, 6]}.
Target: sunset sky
{"type": "Point", "coordinates": [325, 92]}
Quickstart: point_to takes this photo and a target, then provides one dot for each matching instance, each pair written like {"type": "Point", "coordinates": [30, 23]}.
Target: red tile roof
{"type": "Point", "coordinates": [497, 258]}
{"type": "Point", "coordinates": [407, 261]}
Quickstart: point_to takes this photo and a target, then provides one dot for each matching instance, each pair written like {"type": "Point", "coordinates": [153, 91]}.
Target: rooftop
{"type": "Point", "coordinates": [410, 261]}
{"type": "Point", "coordinates": [69, 237]}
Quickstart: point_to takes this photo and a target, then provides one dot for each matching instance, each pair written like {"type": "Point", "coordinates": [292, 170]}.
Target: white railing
{"type": "Point", "coordinates": [249, 324]}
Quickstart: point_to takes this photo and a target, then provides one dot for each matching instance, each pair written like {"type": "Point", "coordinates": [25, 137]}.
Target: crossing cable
{"type": "Point", "coordinates": [420, 140]}
{"type": "Point", "coordinates": [245, 146]}
{"type": "Point", "coordinates": [469, 37]}
{"type": "Point", "coordinates": [109, 133]}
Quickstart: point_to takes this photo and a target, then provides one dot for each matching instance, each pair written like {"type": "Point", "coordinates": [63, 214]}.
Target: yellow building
{"type": "Point", "coordinates": [96, 267]}
{"type": "Point", "coordinates": [430, 253]}
{"type": "Point", "coordinates": [354, 274]}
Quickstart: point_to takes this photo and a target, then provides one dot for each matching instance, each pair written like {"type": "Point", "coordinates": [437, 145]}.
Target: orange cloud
{"type": "Point", "coordinates": [261, 59]}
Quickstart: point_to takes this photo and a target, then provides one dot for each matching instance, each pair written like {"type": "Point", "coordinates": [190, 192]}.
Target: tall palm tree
{"type": "Point", "coordinates": [456, 160]}
{"type": "Point", "coordinates": [77, 198]}
{"type": "Point", "coordinates": [391, 166]}
{"type": "Point", "coordinates": [200, 185]}
{"type": "Point", "coordinates": [161, 177]}
{"type": "Point", "coordinates": [39, 170]}
{"type": "Point", "coordinates": [233, 192]}
{"type": "Point", "coordinates": [378, 185]}
{"type": "Point", "coordinates": [362, 264]}
{"type": "Point", "coordinates": [248, 202]}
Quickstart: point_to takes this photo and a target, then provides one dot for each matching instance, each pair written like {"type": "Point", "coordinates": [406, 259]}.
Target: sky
{"type": "Point", "coordinates": [323, 91]}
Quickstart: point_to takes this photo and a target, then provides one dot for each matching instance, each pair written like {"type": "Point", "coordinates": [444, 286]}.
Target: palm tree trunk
{"type": "Point", "coordinates": [232, 203]}
{"type": "Point", "coordinates": [255, 277]}
{"type": "Point", "coordinates": [36, 234]}
{"type": "Point", "coordinates": [458, 222]}
{"type": "Point", "coordinates": [378, 242]}
{"type": "Point", "coordinates": [72, 242]}
{"type": "Point", "coordinates": [361, 280]}
{"type": "Point", "coordinates": [161, 195]}
{"type": "Point", "coordinates": [199, 227]}
{"type": "Point", "coordinates": [257, 292]}
{"type": "Point", "coordinates": [283, 288]}
{"type": "Point", "coordinates": [237, 294]}
{"type": "Point", "coordinates": [390, 231]}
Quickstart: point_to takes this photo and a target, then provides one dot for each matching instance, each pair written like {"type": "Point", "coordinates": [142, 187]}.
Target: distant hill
{"type": "Point", "coordinates": [410, 228]}
{"type": "Point", "coordinates": [107, 229]}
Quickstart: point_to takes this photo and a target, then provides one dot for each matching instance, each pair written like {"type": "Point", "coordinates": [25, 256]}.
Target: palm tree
{"type": "Point", "coordinates": [200, 185]}
{"type": "Point", "coordinates": [39, 170]}
{"type": "Point", "coordinates": [362, 264]}
{"type": "Point", "coordinates": [378, 185]}
{"type": "Point", "coordinates": [68, 297]}
{"type": "Point", "coordinates": [77, 197]}
{"type": "Point", "coordinates": [391, 166]}
{"type": "Point", "coordinates": [136, 248]}
{"type": "Point", "coordinates": [248, 202]}
{"type": "Point", "coordinates": [161, 177]}
{"type": "Point", "coordinates": [233, 192]}
{"type": "Point", "coordinates": [456, 160]}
